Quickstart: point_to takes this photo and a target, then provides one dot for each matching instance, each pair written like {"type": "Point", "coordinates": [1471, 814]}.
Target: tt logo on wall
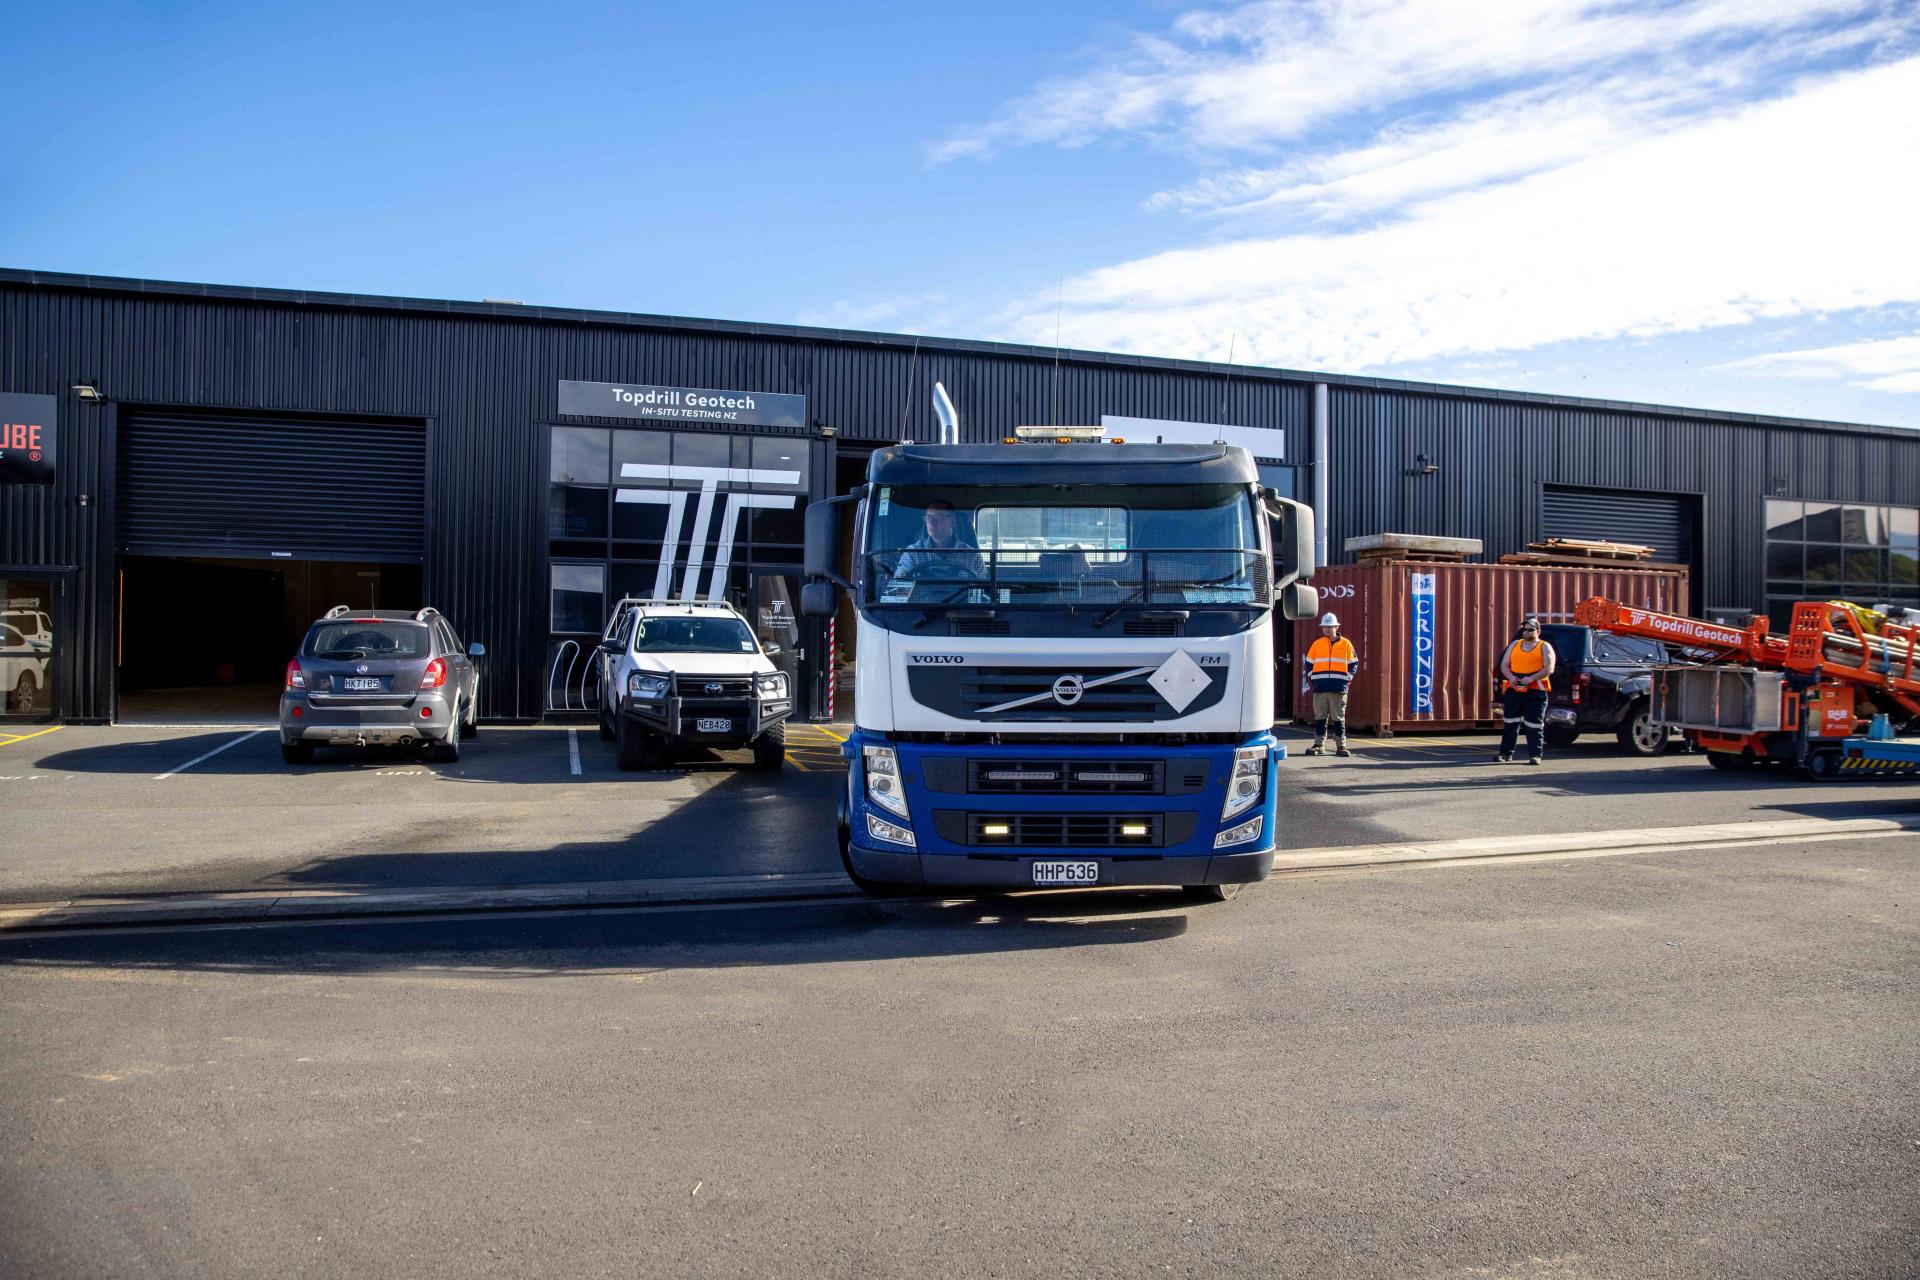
{"type": "Point", "coordinates": [675, 501]}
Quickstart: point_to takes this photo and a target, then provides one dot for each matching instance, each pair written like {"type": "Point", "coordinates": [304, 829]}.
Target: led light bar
{"type": "Point", "coordinates": [1056, 433]}
{"type": "Point", "coordinates": [1096, 776]}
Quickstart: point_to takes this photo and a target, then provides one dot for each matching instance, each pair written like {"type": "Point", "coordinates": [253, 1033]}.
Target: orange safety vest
{"type": "Point", "coordinates": [1332, 657]}
{"type": "Point", "coordinates": [1525, 663]}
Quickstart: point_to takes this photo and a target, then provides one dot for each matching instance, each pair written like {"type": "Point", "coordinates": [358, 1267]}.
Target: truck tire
{"type": "Point", "coordinates": [770, 748]}
{"type": "Point", "coordinates": [1210, 892]}
{"type": "Point", "coordinates": [606, 723]}
{"type": "Point", "coordinates": [636, 747]}
{"type": "Point", "coordinates": [1823, 765]}
{"type": "Point", "coordinates": [1638, 733]}
{"type": "Point", "coordinates": [297, 752]}
{"type": "Point", "coordinates": [1561, 735]}
{"type": "Point", "coordinates": [1729, 761]}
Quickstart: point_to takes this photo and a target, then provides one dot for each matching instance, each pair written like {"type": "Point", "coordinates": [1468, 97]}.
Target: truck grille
{"type": "Point", "coordinates": [968, 691]}
{"type": "Point", "coordinates": [1066, 830]}
{"type": "Point", "coordinates": [1066, 777]}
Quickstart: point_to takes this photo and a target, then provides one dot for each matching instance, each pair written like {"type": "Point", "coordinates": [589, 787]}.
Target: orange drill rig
{"type": "Point", "coordinates": [1758, 698]}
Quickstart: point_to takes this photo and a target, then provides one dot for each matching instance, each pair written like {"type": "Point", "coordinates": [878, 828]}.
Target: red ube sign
{"type": "Point", "coordinates": [26, 438]}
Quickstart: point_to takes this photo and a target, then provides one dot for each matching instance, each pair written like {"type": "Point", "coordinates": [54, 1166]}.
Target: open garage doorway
{"type": "Point", "coordinates": [206, 640]}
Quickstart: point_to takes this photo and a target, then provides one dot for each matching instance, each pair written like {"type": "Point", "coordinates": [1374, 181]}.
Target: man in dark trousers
{"type": "Point", "coordinates": [1331, 662]}
{"type": "Point", "coordinates": [1526, 675]}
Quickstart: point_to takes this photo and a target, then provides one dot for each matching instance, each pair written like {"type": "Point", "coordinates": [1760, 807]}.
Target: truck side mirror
{"type": "Point", "coordinates": [1292, 540]}
{"type": "Point", "coordinates": [1299, 601]}
{"type": "Point", "coordinates": [819, 600]}
{"type": "Point", "coordinates": [823, 540]}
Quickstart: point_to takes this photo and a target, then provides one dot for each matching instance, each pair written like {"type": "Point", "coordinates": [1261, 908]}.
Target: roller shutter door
{"type": "Point", "coordinates": [1662, 521]}
{"type": "Point", "coordinates": [262, 487]}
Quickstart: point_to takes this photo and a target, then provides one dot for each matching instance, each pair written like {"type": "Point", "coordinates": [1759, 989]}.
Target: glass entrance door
{"type": "Point", "coordinates": [29, 645]}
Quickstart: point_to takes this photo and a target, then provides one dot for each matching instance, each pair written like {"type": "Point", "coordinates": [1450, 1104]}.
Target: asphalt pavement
{"type": "Point", "coordinates": [147, 812]}
{"type": "Point", "coordinates": [1684, 1063]}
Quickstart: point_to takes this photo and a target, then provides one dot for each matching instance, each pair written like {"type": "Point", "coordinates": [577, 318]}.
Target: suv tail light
{"type": "Point", "coordinates": [1580, 683]}
{"type": "Point", "coordinates": [435, 674]}
{"type": "Point", "coordinates": [296, 678]}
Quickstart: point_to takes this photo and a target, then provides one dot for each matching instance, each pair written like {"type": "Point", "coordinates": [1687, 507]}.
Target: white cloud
{"type": "Point", "coordinates": [1275, 70]}
{"type": "Point", "coordinates": [1805, 203]}
{"type": "Point", "coordinates": [1882, 364]}
{"type": "Point", "coordinates": [925, 312]}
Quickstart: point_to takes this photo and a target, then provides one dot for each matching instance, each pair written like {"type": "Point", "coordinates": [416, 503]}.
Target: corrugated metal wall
{"type": "Point", "coordinates": [483, 378]}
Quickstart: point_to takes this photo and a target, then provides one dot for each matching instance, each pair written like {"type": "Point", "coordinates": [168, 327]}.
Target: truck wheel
{"type": "Point", "coordinates": [1561, 735]}
{"type": "Point", "coordinates": [1210, 892]}
{"type": "Point", "coordinates": [636, 749]}
{"type": "Point", "coordinates": [770, 748]}
{"type": "Point", "coordinates": [297, 752]}
{"type": "Point", "coordinates": [1824, 765]}
{"type": "Point", "coordinates": [1638, 733]}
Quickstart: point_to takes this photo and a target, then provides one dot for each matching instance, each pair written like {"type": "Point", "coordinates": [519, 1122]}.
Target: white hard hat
{"type": "Point", "coordinates": [1329, 620]}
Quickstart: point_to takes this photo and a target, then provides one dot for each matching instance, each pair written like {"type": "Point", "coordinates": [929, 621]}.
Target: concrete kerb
{"type": "Point", "coordinates": [266, 905]}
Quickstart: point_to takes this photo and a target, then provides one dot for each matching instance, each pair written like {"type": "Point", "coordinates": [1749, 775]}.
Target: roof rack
{"type": "Point", "coordinates": [338, 610]}
{"type": "Point", "coordinates": [425, 613]}
{"type": "Point", "coordinates": [647, 603]}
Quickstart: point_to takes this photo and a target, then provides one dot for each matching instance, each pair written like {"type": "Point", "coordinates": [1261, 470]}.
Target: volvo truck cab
{"type": "Point", "coordinates": [1064, 672]}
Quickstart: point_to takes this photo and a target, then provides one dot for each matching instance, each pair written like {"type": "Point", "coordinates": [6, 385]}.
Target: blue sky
{"type": "Point", "coordinates": [1708, 202]}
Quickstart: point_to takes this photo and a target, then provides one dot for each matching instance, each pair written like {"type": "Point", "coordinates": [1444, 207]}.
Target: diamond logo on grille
{"type": "Point", "coordinates": [1179, 680]}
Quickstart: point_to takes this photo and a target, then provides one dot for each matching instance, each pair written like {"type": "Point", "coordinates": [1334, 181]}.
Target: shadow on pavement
{"type": "Point", "coordinates": [495, 756]}
{"type": "Point", "coordinates": [631, 942]}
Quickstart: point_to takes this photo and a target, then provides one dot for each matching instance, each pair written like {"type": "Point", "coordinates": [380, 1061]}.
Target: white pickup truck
{"type": "Point", "coordinates": [679, 673]}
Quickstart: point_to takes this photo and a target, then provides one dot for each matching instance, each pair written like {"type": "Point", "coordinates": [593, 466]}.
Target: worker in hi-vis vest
{"type": "Point", "coordinates": [1331, 662]}
{"type": "Point", "coordinates": [1526, 675]}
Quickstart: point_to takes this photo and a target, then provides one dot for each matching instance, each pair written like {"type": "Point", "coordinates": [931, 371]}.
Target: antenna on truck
{"type": "Point", "coordinates": [949, 418]}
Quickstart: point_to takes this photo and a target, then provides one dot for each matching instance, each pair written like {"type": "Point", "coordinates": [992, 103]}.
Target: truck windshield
{"type": "Point", "coordinates": [1115, 545]}
{"type": "Point", "coordinates": [692, 635]}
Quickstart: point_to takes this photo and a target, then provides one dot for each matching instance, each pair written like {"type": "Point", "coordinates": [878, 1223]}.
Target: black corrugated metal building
{"type": "Point", "coordinates": [246, 457]}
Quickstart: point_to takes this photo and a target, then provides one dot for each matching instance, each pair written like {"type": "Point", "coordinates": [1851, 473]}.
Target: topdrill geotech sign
{"type": "Point", "coordinates": [682, 404]}
{"type": "Point", "coordinates": [1421, 619]}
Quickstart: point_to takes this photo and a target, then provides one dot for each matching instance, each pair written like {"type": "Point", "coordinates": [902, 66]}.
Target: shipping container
{"type": "Point", "coordinates": [1430, 634]}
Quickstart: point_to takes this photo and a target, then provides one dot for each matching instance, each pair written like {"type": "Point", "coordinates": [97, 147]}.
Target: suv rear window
{"type": "Point", "coordinates": [348, 638]}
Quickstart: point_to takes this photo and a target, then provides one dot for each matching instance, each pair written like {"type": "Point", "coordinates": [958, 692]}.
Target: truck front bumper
{"type": "Point", "coordinates": [1016, 871]}
{"type": "Point", "coordinates": [983, 815]}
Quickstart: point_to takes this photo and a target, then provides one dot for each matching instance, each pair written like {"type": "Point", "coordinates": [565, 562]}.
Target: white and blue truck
{"type": "Point", "coordinates": [1064, 666]}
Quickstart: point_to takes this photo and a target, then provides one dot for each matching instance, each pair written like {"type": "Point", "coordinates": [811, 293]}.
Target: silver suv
{"type": "Point", "coordinates": [677, 673]}
{"type": "Point", "coordinates": [366, 677]}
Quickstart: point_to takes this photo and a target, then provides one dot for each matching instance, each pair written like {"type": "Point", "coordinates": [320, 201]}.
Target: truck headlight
{"type": "Point", "coordinates": [772, 686]}
{"type": "Point", "coordinates": [880, 829]}
{"type": "Point", "coordinates": [1246, 782]}
{"type": "Point", "coordinates": [883, 780]}
{"type": "Point", "coordinates": [1249, 830]}
{"type": "Point", "coordinates": [641, 685]}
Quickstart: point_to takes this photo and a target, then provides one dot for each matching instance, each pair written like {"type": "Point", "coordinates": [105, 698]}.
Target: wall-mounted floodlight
{"type": "Point", "coordinates": [87, 391]}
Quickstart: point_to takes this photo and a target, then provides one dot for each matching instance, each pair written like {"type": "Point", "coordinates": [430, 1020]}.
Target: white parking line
{"type": "Point", "coordinates": [573, 751]}
{"type": "Point", "coordinates": [210, 755]}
